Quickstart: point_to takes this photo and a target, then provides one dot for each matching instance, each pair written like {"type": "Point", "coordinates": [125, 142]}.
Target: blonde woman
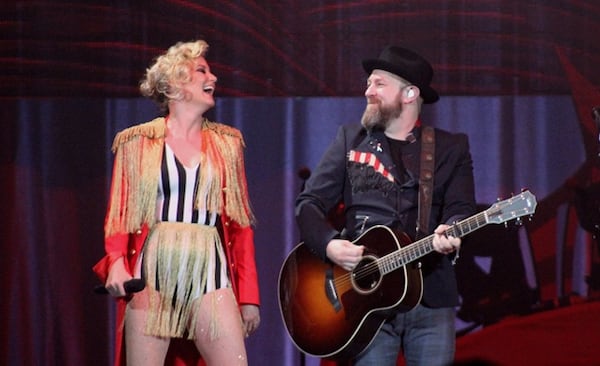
{"type": "Point", "coordinates": [179, 218]}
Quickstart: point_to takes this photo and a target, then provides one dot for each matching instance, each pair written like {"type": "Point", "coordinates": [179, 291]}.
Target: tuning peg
{"type": "Point", "coordinates": [518, 222]}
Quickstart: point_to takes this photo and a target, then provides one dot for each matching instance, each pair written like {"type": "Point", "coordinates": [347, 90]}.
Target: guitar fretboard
{"type": "Point", "coordinates": [420, 248]}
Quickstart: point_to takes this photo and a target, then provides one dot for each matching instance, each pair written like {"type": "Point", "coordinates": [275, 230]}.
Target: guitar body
{"type": "Point", "coordinates": [332, 313]}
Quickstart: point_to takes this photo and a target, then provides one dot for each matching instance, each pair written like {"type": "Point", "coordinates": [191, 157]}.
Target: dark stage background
{"type": "Point", "coordinates": [519, 77]}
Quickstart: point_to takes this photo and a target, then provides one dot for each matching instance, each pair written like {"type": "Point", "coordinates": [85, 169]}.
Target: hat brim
{"type": "Point", "coordinates": [428, 94]}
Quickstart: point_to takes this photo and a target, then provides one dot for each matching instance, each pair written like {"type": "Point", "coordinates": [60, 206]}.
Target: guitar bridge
{"type": "Point", "coordinates": [330, 290]}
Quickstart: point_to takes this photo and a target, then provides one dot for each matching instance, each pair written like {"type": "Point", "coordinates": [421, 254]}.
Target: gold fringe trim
{"type": "Point", "coordinates": [135, 177]}
{"type": "Point", "coordinates": [177, 257]}
{"type": "Point", "coordinates": [138, 151]}
{"type": "Point", "coordinates": [223, 150]}
{"type": "Point", "coordinates": [154, 129]}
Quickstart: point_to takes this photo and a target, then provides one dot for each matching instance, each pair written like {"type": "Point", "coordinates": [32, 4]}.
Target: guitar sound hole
{"type": "Point", "coordinates": [366, 276]}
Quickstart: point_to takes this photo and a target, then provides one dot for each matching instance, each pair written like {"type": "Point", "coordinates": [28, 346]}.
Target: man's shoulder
{"type": "Point", "coordinates": [446, 141]}
{"type": "Point", "coordinates": [444, 132]}
{"type": "Point", "coordinates": [353, 130]}
{"type": "Point", "coordinates": [352, 127]}
{"type": "Point", "coordinates": [450, 136]}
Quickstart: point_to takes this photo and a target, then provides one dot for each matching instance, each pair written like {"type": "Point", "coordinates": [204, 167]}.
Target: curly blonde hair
{"type": "Point", "coordinates": [170, 68]}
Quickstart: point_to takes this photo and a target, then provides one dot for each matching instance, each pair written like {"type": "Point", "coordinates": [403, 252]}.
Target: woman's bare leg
{"type": "Point", "coordinates": [226, 346]}
{"type": "Point", "coordinates": [141, 349]}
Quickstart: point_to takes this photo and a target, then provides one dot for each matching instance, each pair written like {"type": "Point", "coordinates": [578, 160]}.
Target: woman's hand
{"type": "Point", "coordinates": [250, 318]}
{"type": "Point", "coordinates": [117, 275]}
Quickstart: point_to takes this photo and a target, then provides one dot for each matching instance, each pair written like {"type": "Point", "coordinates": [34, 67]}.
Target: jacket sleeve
{"type": "Point", "coordinates": [459, 194]}
{"type": "Point", "coordinates": [239, 244]}
{"type": "Point", "coordinates": [115, 244]}
{"type": "Point", "coordinates": [118, 244]}
{"type": "Point", "coordinates": [115, 247]}
{"type": "Point", "coordinates": [323, 191]}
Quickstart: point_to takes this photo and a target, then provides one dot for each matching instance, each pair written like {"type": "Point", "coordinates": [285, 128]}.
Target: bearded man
{"type": "Point", "coordinates": [373, 169]}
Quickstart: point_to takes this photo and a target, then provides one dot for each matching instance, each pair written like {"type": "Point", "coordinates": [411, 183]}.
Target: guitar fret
{"type": "Point", "coordinates": [388, 266]}
{"type": "Point", "coordinates": [454, 230]}
{"type": "Point", "coordinates": [463, 228]}
{"type": "Point", "coordinates": [471, 225]}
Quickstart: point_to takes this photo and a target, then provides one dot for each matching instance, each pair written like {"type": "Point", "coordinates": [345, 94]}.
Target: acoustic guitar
{"type": "Point", "coordinates": [332, 313]}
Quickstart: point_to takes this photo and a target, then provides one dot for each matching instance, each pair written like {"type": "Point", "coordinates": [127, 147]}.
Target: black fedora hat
{"type": "Point", "coordinates": [407, 64]}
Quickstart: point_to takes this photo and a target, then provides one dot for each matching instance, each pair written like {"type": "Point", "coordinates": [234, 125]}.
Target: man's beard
{"type": "Point", "coordinates": [378, 117]}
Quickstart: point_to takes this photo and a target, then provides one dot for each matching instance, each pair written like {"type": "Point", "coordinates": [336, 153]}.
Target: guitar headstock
{"type": "Point", "coordinates": [511, 208]}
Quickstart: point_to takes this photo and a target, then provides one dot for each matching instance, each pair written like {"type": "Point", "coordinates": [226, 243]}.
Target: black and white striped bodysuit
{"type": "Point", "coordinates": [183, 257]}
{"type": "Point", "coordinates": [177, 190]}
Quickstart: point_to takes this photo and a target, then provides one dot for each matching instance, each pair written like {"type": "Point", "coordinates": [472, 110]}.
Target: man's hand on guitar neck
{"type": "Point", "coordinates": [442, 243]}
{"type": "Point", "coordinates": [344, 253]}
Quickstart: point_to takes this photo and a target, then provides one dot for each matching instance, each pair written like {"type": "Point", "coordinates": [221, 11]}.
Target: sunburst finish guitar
{"type": "Point", "coordinates": [333, 313]}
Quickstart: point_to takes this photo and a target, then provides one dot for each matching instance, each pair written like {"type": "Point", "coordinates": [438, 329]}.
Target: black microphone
{"type": "Point", "coordinates": [304, 173]}
{"type": "Point", "coordinates": [131, 286]}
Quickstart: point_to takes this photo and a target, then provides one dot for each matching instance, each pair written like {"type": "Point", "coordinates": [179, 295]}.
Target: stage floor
{"type": "Point", "coordinates": [567, 335]}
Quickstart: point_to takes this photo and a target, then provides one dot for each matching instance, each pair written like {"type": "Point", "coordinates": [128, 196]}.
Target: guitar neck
{"type": "Point", "coordinates": [420, 248]}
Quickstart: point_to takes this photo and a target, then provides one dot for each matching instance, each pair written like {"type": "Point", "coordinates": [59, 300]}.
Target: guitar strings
{"type": "Point", "coordinates": [406, 254]}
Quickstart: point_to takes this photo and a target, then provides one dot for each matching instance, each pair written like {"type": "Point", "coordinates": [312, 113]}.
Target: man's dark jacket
{"type": "Point", "coordinates": [358, 171]}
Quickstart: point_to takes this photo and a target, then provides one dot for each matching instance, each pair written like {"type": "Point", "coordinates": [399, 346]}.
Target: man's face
{"type": "Point", "coordinates": [384, 101]}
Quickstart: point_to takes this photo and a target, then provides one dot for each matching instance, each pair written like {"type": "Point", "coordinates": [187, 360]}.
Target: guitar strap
{"type": "Point", "coordinates": [426, 180]}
